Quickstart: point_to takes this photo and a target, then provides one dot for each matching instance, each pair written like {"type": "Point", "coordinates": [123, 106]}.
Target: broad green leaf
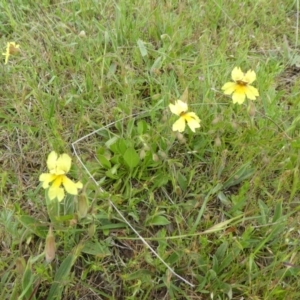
{"type": "Point", "coordinates": [122, 146]}
{"type": "Point", "coordinates": [240, 175]}
{"type": "Point", "coordinates": [157, 221]}
{"type": "Point", "coordinates": [34, 225]}
{"type": "Point", "coordinates": [173, 258]}
{"type": "Point", "coordinates": [111, 144]}
{"type": "Point", "coordinates": [27, 282]}
{"type": "Point", "coordinates": [221, 251]}
{"type": "Point", "coordinates": [141, 127]}
{"type": "Point", "coordinates": [131, 158]}
{"type": "Point", "coordinates": [157, 64]}
{"type": "Point", "coordinates": [104, 161]}
{"type": "Point", "coordinates": [96, 248]}
{"type": "Point", "coordinates": [130, 126]}
{"type": "Point", "coordinates": [182, 180]}
{"type": "Point", "coordinates": [62, 275]}
{"type": "Point", "coordinates": [142, 48]}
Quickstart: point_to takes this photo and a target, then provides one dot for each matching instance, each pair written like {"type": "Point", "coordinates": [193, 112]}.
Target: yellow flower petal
{"type": "Point", "coordinates": [251, 92]}
{"type": "Point", "coordinates": [238, 97]}
{"type": "Point", "coordinates": [179, 125]}
{"type": "Point", "coordinates": [250, 77]}
{"type": "Point", "coordinates": [70, 186]}
{"type": "Point", "coordinates": [46, 178]}
{"type": "Point", "coordinates": [179, 107]}
{"type": "Point", "coordinates": [63, 164]}
{"type": "Point", "coordinates": [51, 161]}
{"type": "Point", "coordinates": [193, 124]}
{"type": "Point", "coordinates": [229, 88]}
{"type": "Point", "coordinates": [237, 74]}
{"type": "Point", "coordinates": [191, 115]}
{"type": "Point", "coordinates": [192, 120]}
{"type": "Point", "coordinates": [56, 192]}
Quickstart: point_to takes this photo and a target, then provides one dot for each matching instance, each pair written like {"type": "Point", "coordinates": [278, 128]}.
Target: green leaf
{"type": "Point", "coordinates": [173, 258]}
{"type": "Point", "coordinates": [221, 251]}
{"type": "Point", "coordinates": [277, 212]}
{"type": "Point", "coordinates": [131, 158]}
{"type": "Point", "coordinates": [27, 282]}
{"type": "Point", "coordinates": [182, 180]}
{"type": "Point", "coordinates": [157, 64]}
{"type": "Point", "coordinates": [130, 126]}
{"type": "Point", "coordinates": [264, 211]}
{"type": "Point", "coordinates": [62, 276]}
{"type": "Point", "coordinates": [112, 144]}
{"type": "Point", "coordinates": [141, 127]}
{"type": "Point", "coordinates": [295, 144]}
{"type": "Point", "coordinates": [142, 48]}
{"type": "Point", "coordinates": [143, 274]}
{"type": "Point", "coordinates": [105, 163]}
{"type": "Point", "coordinates": [33, 225]}
{"type": "Point", "coordinates": [96, 248]}
{"type": "Point", "coordinates": [242, 174]}
{"type": "Point", "coordinates": [122, 146]}
{"type": "Point", "coordinates": [157, 221]}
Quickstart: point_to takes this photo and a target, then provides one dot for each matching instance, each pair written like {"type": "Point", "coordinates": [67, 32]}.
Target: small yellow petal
{"type": "Point", "coordinates": [193, 124]}
{"type": "Point", "coordinates": [179, 107]}
{"type": "Point", "coordinates": [56, 192]}
{"type": "Point", "coordinates": [249, 77]}
{"type": "Point", "coordinates": [229, 88]}
{"type": "Point", "coordinates": [193, 120]}
{"type": "Point", "coordinates": [237, 74]}
{"type": "Point", "coordinates": [70, 186]}
{"type": "Point", "coordinates": [238, 97]}
{"type": "Point", "coordinates": [51, 161]}
{"type": "Point", "coordinates": [179, 125]}
{"type": "Point", "coordinates": [191, 116]}
{"type": "Point", "coordinates": [46, 178]}
{"type": "Point", "coordinates": [64, 163]}
{"type": "Point", "coordinates": [251, 92]}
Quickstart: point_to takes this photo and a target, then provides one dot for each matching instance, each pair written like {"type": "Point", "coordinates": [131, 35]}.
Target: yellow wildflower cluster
{"type": "Point", "coordinates": [239, 88]}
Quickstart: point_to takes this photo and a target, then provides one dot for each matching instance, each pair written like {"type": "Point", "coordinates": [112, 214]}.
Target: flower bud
{"type": "Point", "coordinates": [155, 157]}
{"type": "Point", "coordinates": [82, 34]}
{"type": "Point", "coordinates": [50, 248]}
{"type": "Point", "coordinates": [20, 265]}
{"type": "Point", "coordinates": [83, 206]}
{"type": "Point", "coordinates": [91, 230]}
{"type": "Point", "coordinates": [142, 154]}
{"type": "Point", "coordinates": [251, 109]}
{"type": "Point", "coordinates": [218, 142]}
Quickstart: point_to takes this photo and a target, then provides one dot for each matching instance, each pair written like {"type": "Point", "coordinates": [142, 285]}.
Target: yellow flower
{"type": "Point", "coordinates": [241, 87]}
{"type": "Point", "coordinates": [11, 48]}
{"type": "Point", "coordinates": [180, 109]}
{"type": "Point", "coordinates": [58, 167]}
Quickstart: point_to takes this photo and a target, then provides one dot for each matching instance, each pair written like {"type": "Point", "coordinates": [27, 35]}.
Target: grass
{"type": "Point", "coordinates": [220, 207]}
